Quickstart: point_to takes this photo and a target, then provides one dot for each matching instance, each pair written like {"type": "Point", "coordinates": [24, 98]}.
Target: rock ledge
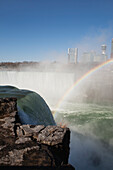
{"type": "Point", "coordinates": [31, 145]}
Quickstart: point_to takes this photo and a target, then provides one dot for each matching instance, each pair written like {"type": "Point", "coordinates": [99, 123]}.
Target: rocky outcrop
{"type": "Point", "coordinates": [31, 145]}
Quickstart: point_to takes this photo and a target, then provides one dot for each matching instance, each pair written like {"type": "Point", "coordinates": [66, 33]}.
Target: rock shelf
{"type": "Point", "coordinates": [31, 145]}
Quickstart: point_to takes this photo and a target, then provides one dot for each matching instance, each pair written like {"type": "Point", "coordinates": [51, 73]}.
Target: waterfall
{"type": "Point", "coordinates": [50, 85]}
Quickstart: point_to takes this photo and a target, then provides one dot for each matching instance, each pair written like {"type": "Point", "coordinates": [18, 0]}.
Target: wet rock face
{"type": "Point", "coordinates": [31, 145]}
{"type": "Point", "coordinates": [7, 105]}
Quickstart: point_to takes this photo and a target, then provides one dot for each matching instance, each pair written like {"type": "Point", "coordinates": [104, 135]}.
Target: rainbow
{"type": "Point", "coordinates": [76, 83]}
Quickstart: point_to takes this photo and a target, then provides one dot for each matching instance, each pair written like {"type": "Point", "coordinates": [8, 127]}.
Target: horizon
{"type": "Point", "coordinates": [44, 30]}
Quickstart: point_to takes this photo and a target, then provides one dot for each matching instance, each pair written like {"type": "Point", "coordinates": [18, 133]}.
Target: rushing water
{"type": "Point", "coordinates": [32, 109]}
{"type": "Point", "coordinates": [91, 134]}
{"type": "Point", "coordinates": [91, 124]}
{"type": "Point", "coordinates": [47, 84]}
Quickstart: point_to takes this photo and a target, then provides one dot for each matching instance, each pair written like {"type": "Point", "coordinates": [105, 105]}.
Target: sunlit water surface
{"type": "Point", "coordinates": [91, 127]}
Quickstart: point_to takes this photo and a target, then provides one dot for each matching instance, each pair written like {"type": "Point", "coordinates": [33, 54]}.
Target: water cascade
{"type": "Point", "coordinates": [51, 86]}
{"type": "Point", "coordinates": [88, 111]}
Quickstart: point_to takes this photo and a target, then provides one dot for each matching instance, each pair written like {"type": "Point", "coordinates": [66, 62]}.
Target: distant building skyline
{"type": "Point", "coordinates": [89, 57]}
{"type": "Point", "coordinates": [43, 30]}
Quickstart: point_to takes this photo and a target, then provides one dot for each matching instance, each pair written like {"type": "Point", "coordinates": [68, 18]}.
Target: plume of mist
{"type": "Point", "coordinates": [93, 41]}
{"type": "Point", "coordinates": [89, 153]}
{"type": "Point", "coordinates": [55, 56]}
{"type": "Point", "coordinates": [91, 144]}
{"type": "Point", "coordinates": [52, 79]}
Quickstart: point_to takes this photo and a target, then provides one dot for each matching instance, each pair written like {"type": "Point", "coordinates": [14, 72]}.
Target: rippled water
{"type": "Point", "coordinates": [91, 134]}
{"type": "Point", "coordinates": [91, 124]}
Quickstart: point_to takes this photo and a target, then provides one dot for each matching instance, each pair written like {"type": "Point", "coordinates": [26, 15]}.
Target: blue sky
{"type": "Point", "coordinates": [39, 30]}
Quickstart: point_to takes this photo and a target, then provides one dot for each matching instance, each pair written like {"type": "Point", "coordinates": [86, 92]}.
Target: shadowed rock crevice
{"type": "Point", "coordinates": [31, 145]}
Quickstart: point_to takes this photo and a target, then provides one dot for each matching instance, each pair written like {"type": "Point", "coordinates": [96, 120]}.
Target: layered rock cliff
{"type": "Point", "coordinates": [31, 145]}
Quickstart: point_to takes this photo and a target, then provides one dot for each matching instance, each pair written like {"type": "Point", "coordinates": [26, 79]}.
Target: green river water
{"type": "Point", "coordinates": [91, 134]}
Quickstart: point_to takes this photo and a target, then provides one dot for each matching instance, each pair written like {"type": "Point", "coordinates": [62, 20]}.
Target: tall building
{"type": "Point", "coordinates": [103, 48]}
{"type": "Point", "coordinates": [72, 55]}
{"type": "Point", "coordinates": [103, 54]}
{"type": "Point", "coordinates": [112, 49]}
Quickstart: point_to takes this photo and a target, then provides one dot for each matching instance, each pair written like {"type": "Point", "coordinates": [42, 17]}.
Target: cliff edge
{"type": "Point", "coordinates": [45, 147]}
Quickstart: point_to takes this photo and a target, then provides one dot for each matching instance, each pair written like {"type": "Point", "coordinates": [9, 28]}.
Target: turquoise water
{"type": "Point", "coordinates": [91, 124]}
{"type": "Point", "coordinates": [32, 108]}
{"type": "Point", "coordinates": [91, 134]}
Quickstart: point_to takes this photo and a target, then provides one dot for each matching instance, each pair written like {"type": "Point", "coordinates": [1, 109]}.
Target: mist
{"type": "Point", "coordinates": [93, 40]}
{"type": "Point", "coordinates": [86, 110]}
{"type": "Point", "coordinates": [90, 153]}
